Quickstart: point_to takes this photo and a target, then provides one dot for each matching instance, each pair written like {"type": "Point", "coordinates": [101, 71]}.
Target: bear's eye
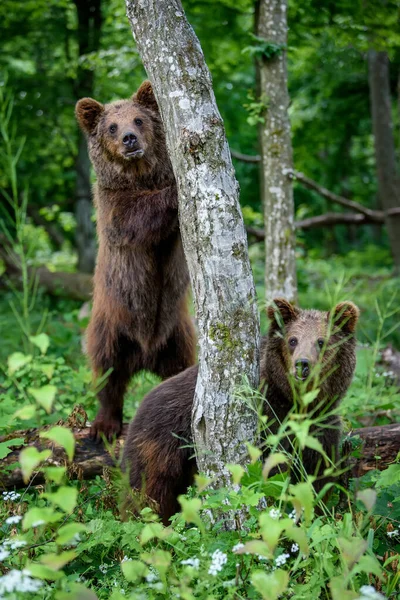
{"type": "Point", "coordinates": [321, 342]}
{"type": "Point", "coordinates": [293, 342]}
{"type": "Point", "coordinates": [112, 128]}
{"type": "Point", "coordinates": [139, 122]}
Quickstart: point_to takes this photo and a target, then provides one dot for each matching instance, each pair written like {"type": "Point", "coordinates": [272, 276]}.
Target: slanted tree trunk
{"type": "Point", "coordinates": [385, 153]}
{"type": "Point", "coordinates": [89, 28]}
{"type": "Point", "coordinates": [212, 230]}
{"type": "Point", "coordinates": [276, 153]}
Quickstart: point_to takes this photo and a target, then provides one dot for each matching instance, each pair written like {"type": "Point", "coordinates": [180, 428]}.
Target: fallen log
{"type": "Point", "coordinates": [380, 446]}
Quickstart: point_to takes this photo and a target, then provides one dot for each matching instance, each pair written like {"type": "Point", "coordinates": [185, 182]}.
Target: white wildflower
{"type": "Point", "coordinates": [275, 513]}
{"type": "Point", "coordinates": [11, 496]}
{"type": "Point", "coordinates": [294, 548]}
{"type": "Point", "coordinates": [125, 558]}
{"type": "Point", "coordinates": [368, 592]}
{"type": "Point", "coordinates": [281, 560]}
{"type": "Point", "coordinates": [218, 559]}
{"type": "Point", "coordinates": [292, 515]}
{"type": "Point", "coordinates": [237, 547]}
{"type": "Point", "coordinates": [38, 523]}
{"type": "Point", "coordinates": [151, 577]}
{"type": "Point", "coordinates": [103, 568]}
{"type": "Point", "coordinates": [192, 562]}
{"type": "Point", "coordinates": [14, 544]}
{"type": "Point", "coordinates": [18, 581]}
{"type": "Point", "coordinates": [13, 519]}
{"type": "Point", "coordinates": [4, 554]}
{"type": "Point", "coordinates": [393, 533]}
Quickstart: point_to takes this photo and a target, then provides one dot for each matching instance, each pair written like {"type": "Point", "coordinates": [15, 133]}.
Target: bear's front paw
{"type": "Point", "coordinates": [107, 426]}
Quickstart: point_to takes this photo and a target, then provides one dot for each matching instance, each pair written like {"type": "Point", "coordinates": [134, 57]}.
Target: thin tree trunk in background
{"type": "Point", "coordinates": [212, 230]}
{"type": "Point", "coordinates": [276, 155]}
{"type": "Point", "coordinates": [89, 29]}
{"type": "Point", "coordinates": [385, 153]}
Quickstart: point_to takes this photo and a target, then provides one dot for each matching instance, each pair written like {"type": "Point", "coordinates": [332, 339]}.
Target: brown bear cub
{"type": "Point", "coordinates": [140, 318]}
{"type": "Point", "coordinates": [157, 453]}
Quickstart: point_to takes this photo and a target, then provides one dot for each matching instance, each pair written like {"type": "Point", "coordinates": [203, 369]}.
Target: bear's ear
{"type": "Point", "coordinates": [145, 96]}
{"type": "Point", "coordinates": [88, 113]}
{"type": "Point", "coordinates": [345, 316]}
{"type": "Point", "coordinates": [282, 310]}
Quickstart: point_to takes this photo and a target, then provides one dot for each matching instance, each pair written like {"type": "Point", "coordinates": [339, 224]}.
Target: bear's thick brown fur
{"type": "Point", "coordinates": [158, 454]}
{"type": "Point", "coordinates": [140, 318]}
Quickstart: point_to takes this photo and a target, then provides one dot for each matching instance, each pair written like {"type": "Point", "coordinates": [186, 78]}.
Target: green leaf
{"type": "Point", "coordinates": [29, 459]}
{"type": "Point", "coordinates": [368, 564]}
{"type": "Point", "coordinates": [271, 530]}
{"type": "Point", "coordinates": [16, 361]}
{"type": "Point", "coordinates": [38, 516]}
{"type": "Point", "coordinates": [68, 532]}
{"type": "Point", "coordinates": [55, 474]}
{"type": "Point", "coordinates": [302, 498]}
{"type": "Point", "coordinates": [367, 497]}
{"type": "Point", "coordinates": [202, 482]}
{"type": "Point", "coordinates": [255, 547]}
{"type": "Point", "coordinates": [25, 413]}
{"type": "Point", "coordinates": [77, 592]}
{"type": "Point", "coordinates": [190, 510]}
{"type": "Point", "coordinates": [272, 461]}
{"type": "Point", "coordinates": [389, 476]}
{"type": "Point", "coordinates": [271, 585]}
{"type": "Point", "coordinates": [160, 559]}
{"type": "Point", "coordinates": [65, 498]}
{"type": "Point", "coordinates": [254, 452]}
{"type": "Point", "coordinates": [352, 550]}
{"type": "Point", "coordinates": [309, 397]}
{"type": "Point", "coordinates": [237, 473]}
{"type": "Point", "coordinates": [57, 561]}
{"type": "Point", "coordinates": [151, 531]}
{"type": "Point", "coordinates": [63, 437]}
{"type": "Point", "coordinates": [44, 572]}
{"type": "Point", "coordinates": [134, 570]}
{"type": "Point", "coordinates": [47, 369]}
{"type": "Point", "coordinates": [44, 396]}
{"type": "Point", "coordinates": [313, 443]}
{"type": "Point", "coordinates": [298, 535]}
{"type": "Point", "coordinates": [6, 447]}
{"type": "Point", "coordinates": [41, 341]}
{"type": "Point", "coordinates": [338, 589]}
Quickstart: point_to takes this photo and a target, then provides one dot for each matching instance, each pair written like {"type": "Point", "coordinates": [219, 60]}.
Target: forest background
{"type": "Point", "coordinates": [57, 51]}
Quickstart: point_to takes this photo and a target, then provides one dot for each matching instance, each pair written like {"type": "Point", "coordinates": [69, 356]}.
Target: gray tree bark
{"type": "Point", "coordinates": [276, 155]}
{"type": "Point", "coordinates": [212, 229]}
{"type": "Point", "coordinates": [385, 152]}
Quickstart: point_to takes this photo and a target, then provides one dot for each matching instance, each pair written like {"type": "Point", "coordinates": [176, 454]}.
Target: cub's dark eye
{"type": "Point", "coordinates": [112, 128]}
{"type": "Point", "coordinates": [320, 342]}
{"type": "Point", "coordinates": [138, 122]}
{"type": "Point", "coordinates": [293, 342]}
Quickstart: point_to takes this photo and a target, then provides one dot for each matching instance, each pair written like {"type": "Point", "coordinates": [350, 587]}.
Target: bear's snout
{"type": "Point", "coordinates": [302, 368]}
{"type": "Point", "coordinates": [129, 140]}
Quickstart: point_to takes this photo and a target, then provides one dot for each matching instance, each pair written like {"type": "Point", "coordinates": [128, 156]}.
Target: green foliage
{"type": "Point", "coordinates": [263, 49]}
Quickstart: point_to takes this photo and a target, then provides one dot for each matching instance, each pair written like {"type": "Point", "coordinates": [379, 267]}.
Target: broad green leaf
{"type": "Point", "coordinates": [68, 532]}
{"type": "Point", "coordinates": [271, 530]}
{"type": "Point", "coordinates": [41, 341]}
{"type": "Point", "coordinates": [270, 585]}
{"type": "Point", "coordinates": [255, 547]}
{"type": "Point", "coordinates": [254, 453]}
{"type": "Point", "coordinates": [338, 589]}
{"type": "Point", "coordinates": [77, 592]}
{"type": "Point", "coordinates": [367, 497]}
{"type": "Point", "coordinates": [302, 498]}
{"type": "Point", "coordinates": [44, 396]}
{"type": "Point", "coordinates": [273, 460]}
{"type": "Point", "coordinates": [190, 510]}
{"type": "Point", "coordinates": [151, 531]}
{"type": "Point", "coordinates": [26, 412]}
{"type": "Point", "coordinates": [134, 570]}
{"type": "Point", "coordinates": [202, 482]}
{"type": "Point", "coordinates": [352, 550]}
{"type": "Point", "coordinates": [159, 559]}
{"type": "Point", "coordinates": [17, 360]}
{"type": "Point", "coordinates": [63, 437]}
{"type": "Point", "coordinates": [313, 443]}
{"type": "Point", "coordinates": [237, 473]}
{"type": "Point", "coordinates": [298, 535]}
{"type": "Point", "coordinates": [44, 572]}
{"type": "Point", "coordinates": [65, 498]}
{"type": "Point", "coordinates": [309, 397]}
{"type": "Point", "coordinates": [55, 474]}
{"type": "Point", "coordinates": [47, 369]}
{"type": "Point", "coordinates": [57, 561]}
{"type": "Point", "coordinates": [369, 565]}
{"type": "Point", "coordinates": [30, 458]}
{"type": "Point", "coordinates": [389, 476]}
{"type": "Point", "coordinates": [39, 516]}
{"type": "Point", "coordinates": [6, 447]}
{"type": "Point", "coordinates": [301, 431]}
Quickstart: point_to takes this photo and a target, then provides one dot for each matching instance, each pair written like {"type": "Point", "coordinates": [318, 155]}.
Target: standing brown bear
{"type": "Point", "coordinates": [157, 455]}
{"type": "Point", "coordinates": [139, 318]}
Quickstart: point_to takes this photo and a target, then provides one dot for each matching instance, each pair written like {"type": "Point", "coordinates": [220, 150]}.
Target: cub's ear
{"type": "Point", "coordinates": [281, 310]}
{"type": "Point", "coordinates": [145, 96]}
{"type": "Point", "coordinates": [88, 113]}
{"type": "Point", "coordinates": [345, 316]}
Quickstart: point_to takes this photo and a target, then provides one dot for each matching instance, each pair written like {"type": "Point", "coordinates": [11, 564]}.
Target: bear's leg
{"type": "Point", "coordinates": [111, 350]}
{"type": "Point", "coordinates": [179, 352]}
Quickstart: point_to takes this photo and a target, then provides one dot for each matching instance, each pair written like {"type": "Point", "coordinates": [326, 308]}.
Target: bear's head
{"type": "Point", "coordinates": [312, 349]}
{"type": "Point", "coordinates": [125, 138]}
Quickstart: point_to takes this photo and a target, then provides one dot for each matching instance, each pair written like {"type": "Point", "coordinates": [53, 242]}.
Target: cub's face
{"type": "Point", "coordinates": [122, 133]}
{"type": "Point", "coordinates": [315, 345]}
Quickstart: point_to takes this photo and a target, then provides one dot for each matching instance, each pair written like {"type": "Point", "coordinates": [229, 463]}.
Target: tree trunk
{"type": "Point", "coordinates": [89, 29]}
{"type": "Point", "coordinates": [385, 153]}
{"type": "Point", "coordinates": [212, 228]}
{"type": "Point", "coordinates": [276, 154]}
{"type": "Point", "coordinates": [91, 458]}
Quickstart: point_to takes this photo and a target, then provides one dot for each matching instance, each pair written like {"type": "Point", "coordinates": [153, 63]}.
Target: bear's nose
{"type": "Point", "coordinates": [129, 139]}
{"type": "Point", "coordinates": [302, 368]}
